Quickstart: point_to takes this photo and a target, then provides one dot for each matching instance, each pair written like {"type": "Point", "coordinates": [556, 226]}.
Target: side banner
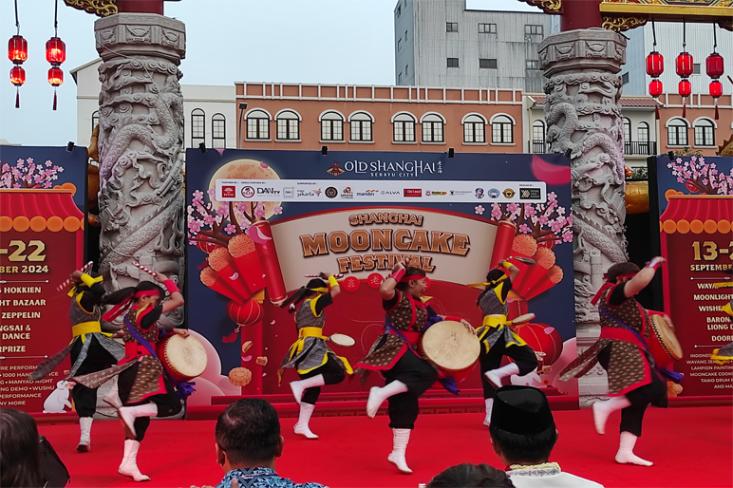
{"type": "Point", "coordinates": [695, 212]}
{"type": "Point", "coordinates": [42, 195]}
{"type": "Point", "coordinates": [261, 222]}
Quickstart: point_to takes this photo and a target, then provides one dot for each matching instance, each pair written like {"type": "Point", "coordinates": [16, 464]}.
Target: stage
{"type": "Point", "coordinates": [691, 446]}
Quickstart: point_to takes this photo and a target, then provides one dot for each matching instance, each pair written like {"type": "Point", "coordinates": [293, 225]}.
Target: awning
{"type": "Point", "coordinates": [39, 210]}
{"type": "Point", "coordinates": [697, 214]}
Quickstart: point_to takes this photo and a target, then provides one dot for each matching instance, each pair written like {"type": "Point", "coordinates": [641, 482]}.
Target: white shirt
{"type": "Point", "coordinates": [547, 475]}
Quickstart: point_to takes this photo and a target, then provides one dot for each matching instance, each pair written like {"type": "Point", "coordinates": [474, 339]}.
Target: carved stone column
{"type": "Point", "coordinates": [583, 116]}
{"type": "Point", "coordinates": [140, 145]}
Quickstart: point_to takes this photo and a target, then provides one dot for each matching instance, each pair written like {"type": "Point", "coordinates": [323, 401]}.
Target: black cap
{"type": "Point", "coordinates": [521, 410]}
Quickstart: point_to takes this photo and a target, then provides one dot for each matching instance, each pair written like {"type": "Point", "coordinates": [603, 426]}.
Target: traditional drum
{"type": "Point", "coordinates": [183, 357]}
{"type": "Point", "coordinates": [663, 343]}
{"type": "Point", "coordinates": [450, 346]}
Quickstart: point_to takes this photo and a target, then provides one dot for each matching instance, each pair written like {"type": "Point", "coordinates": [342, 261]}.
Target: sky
{"type": "Point", "coordinates": [308, 41]}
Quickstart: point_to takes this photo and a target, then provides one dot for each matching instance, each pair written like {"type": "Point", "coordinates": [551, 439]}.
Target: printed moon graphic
{"type": "Point", "coordinates": [245, 169]}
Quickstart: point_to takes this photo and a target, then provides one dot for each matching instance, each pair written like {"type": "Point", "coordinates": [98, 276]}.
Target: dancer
{"type": "Point", "coordinates": [497, 339]}
{"type": "Point", "coordinates": [406, 373]}
{"type": "Point", "coordinates": [633, 381]}
{"type": "Point", "coordinates": [315, 362]}
{"type": "Point", "coordinates": [144, 387]}
{"type": "Point", "coordinates": [724, 354]}
{"type": "Point", "coordinates": [90, 349]}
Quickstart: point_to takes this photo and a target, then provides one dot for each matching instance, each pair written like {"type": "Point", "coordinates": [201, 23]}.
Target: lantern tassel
{"type": "Point", "coordinates": [656, 111]}
{"type": "Point", "coordinates": [17, 97]}
{"type": "Point", "coordinates": [54, 99]}
{"type": "Point", "coordinates": [717, 115]}
{"type": "Point", "coordinates": [684, 108]}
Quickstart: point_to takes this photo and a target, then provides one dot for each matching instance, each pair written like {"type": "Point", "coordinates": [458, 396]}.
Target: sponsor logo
{"type": "Point", "coordinates": [347, 193]}
{"type": "Point", "coordinates": [335, 170]}
{"type": "Point", "coordinates": [228, 191]}
{"type": "Point", "coordinates": [307, 193]}
{"type": "Point", "coordinates": [508, 193]}
{"type": "Point", "coordinates": [367, 193]}
{"type": "Point", "coordinates": [412, 192]}
{"type": "Point", "coordinates": [248, 192]}
{"type": "Point", "coordinates": [456, 193]}
{"type": "Point", "coordinates": [479, 193]}
{"type": "Point", "coordinates": [268, 191]}
{"type": "Point", "coordinates": [331, 192]}
{"type": "Point", "coordinates": [288, 192]}
{"type": "Point", "coordinates": [529, 194]}
{"type": "Point", "coordinates": [390, 193]}
{"type": "Point", "coordinates": [378, 168]}
{"type": "Point", "coordinates": [317, 191]}
{"type": "Point", "coordinates": [494, 193]}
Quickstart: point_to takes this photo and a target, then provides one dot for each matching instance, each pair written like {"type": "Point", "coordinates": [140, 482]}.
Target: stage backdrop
{"type": "Point", "coordinates": [695, 201]}
{"type": "Point", "coordinates": [42, 195]}
{"type": "Point", "coordinates": [259, 222]}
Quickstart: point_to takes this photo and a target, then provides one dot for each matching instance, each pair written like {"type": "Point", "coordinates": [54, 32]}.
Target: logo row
{"type": "Point", "coordinates": [249, 192]}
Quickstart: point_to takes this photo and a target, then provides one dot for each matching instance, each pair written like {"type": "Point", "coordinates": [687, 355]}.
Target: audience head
{"type": "Point", "coordinates": [470, 476]}
{"type": "Point", "coordinates": [522, 428]}
{"type": "Point", "coordinates": [19, 450]}
{"type": "Point", "coordinates": [248, 435]}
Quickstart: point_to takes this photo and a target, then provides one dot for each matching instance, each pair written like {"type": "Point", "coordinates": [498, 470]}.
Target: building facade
{"type": "Point", "coordinates": [693, 127]}
{"type": "Point", "coordinates": [209, 110]}
{"type": "Point", "coordinates": [442, 43]}
{"type": "Point", "coordinates": [378, 118]}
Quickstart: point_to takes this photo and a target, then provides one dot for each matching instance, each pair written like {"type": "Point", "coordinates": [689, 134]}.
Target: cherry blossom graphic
{"type": "Point", "coordinates": [701, 177]}
{"type": "Point", "coordinates": [26, 173]}
{"type": "Point", "coordinates": [543, 221]}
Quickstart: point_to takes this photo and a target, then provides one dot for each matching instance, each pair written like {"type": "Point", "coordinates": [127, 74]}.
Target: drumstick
{"type": "Point", "coordinates": [145, 269]}
{"type": "Point", "coordinates": [67, 281]}
{"type": "Point", "coordinates": [337, 276]}
{"type": "Point", "coordinates": [521, 319]}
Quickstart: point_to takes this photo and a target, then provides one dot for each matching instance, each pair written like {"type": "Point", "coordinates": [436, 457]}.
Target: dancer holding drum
{"type": "Point", "coordinates": [497, 338]}
{"type": "Point", "coordinates": [144, 388]}
{"type": "Point", "coordinates": [316, 364]}
{"type": "Point", "coordinates": [633, 381]}
{"type": "Point", "coordinates": [394, 354]}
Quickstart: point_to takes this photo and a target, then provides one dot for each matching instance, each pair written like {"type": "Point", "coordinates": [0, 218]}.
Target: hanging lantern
{"type": "Point", "coordinates": [655, 64]}
{"type": "Point", "coordinates": [55, 51]}
{"type": "Point", "coordinates": [714, 66]}
{"type": "Point", "coordinates": [685, 64]}
{"type": "Point", "coordinates": [17, 75]}
{"type": "Point", "coordinates": [17, 49]}
{"type": "Point", "coordinates": [55, 79]}
{"type": "Point", "coordinates": [685, 88]}
{"type": "Point", "coordinates": [655, 88]}
{"type": "Point", "coordinates": [716, 89]}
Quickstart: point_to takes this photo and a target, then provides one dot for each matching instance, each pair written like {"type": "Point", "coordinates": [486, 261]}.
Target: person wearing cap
{"type": "Point", "coordinates": [316, 364]}
{"type": "Point", "coordinates": [633, 381]}
{"type": "Point", "coordinates": [395, 354]}
{"type": "Point", "coordinates": [498, 340]}
{"type": "Point", "coordinates": [523, 433]}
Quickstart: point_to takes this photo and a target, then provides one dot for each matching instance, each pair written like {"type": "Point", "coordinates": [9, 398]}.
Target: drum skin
{"type": "Point", "coordinates": [661, 330]}
{"type": "Point", "coordinates": [183, 357]}
{"type": "Point", "coordinates": [450, 346]}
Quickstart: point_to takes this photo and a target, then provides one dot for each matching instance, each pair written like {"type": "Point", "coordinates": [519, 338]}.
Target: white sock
{"type": "Point", "coordinates": [302, 427]}
{"type": "Point", "coordinates": [128, 467]}
{"type": "Point", "coordinates": [400, 439]}
{"type": "Point", "coordinates": [625, 454]}
{"type": "Point", "coordinates": [85, 431]}
{"type": "Point", "coordinates": [602, 409]}
{"type": "Point", "coordinates": [129, 414]}
{"type": "Point", "coordinates": [489, 407]}
{"type": "Point", "coordinates": [298, 387]}
{"type": "Point", "coordinates": [495, 375]}
{"type": "Point", "coordinates": [378, 395]}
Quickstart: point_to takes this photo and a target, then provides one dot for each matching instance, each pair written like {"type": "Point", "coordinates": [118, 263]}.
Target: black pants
{"type": "Point", "coordinates": [333, 372]}
{"type": "Point", "coordinates": [168, 403]}
{"type": "Point", "coordinates": [523, 356]}
{"type": "Point", "coordinates": [640, 398]}
{"type": "Point", "coordinates": [85, 399]}
{"type": "Point", "coordinates": [418, 375]}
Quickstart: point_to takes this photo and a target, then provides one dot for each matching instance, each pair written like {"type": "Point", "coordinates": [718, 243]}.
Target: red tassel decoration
{"type": "Point", "coordinates": [17, 98]}
{"type": "Point", "coordinates": [656, 112]}
{"type": "Point", "coordinates": [54, 99]}
{"type": "Point", "coordinates": [717, 115]}
{"type": "Point", "coordinates": [684, 109]}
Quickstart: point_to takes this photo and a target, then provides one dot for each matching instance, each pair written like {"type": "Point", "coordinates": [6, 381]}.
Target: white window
{"type": "Point", "coordinates": [704, 133]}
{"type": "Point", "coordinates": [538, 137]}
{"type": "Point", "coordinates": [451, 26]}
{"type": "Point", "coordinates": [452, 62]}
{"type": "Point", "coordinates": [642, 132]}
{"type": "Point", "coordinates": [95, 119]}
{"type": "Point", "coordinates": [332, 127]}
{"type": "Point", "coordinates": [532, 64]}
{"type": "Point", "coordinates": [361, 126]}
{"type": "Point", "coordinates": [198, 127]}
{"type": "Point", "coordinates": [534, 30]}
{"type": "Point", "coordinates": [502, 130]}
{"type": "Point", "coordinates": [288, 126]}
{"type": "Point", "coordinates": [258, 125]}
{"type": "Point", "coordinates": [218, 131]}
{"type": "Point", "coordinates": [403, 128]}
{"type": "Point", "coordinates": [432, 128]}
{"type": "Point", "coordinates": [484, 63]}
{"type": "Point", "coordinates": [627, 130]}
{"type": "Point", "coordinates": [677, 132]}
{"type": "Point", "coordinates": [486, 28]}
{"type": "Point", "coordinates": [474, 129]}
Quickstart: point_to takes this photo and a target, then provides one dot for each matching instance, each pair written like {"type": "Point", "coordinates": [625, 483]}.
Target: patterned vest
{"type": "Point", "coordinates": [401, 315]}
{"type": "Point", "coordinates": [77, 314]}
{"type": "Point", "coordinates": [490, 303]}
{"type": "Point", "coordinates": [305, 316]}
{"type": "Point", "coordinates": [629, 313]}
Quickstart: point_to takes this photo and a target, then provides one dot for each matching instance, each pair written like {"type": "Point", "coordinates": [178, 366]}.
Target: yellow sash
{"type": "Point", "coordinates": [498, 321]}
{"type": "Point", "coordinates": [298, 345]}
{"type": "Point", "coordinates": [83, 328]}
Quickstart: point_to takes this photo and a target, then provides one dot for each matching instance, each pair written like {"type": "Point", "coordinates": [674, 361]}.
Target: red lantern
{"type": "Point", "coordinates": [544, 339]}
{"type": "Point", "coordinates": [654, 64]}
{"type": "Point", "coordinates": [55, 76]}
{"type": "Point", "coordinates": [655, 88]}
{"type": "Point", "coordinates": [17, 75]}
{"type": "Point", "coordinates": [351, 284]}
{"type": "Point", "coordinates": [715, 66]}
{"type": "Point", "coordinates": [716, 89]}
{"type": "Point", "coordinates": [55, 51]}
{"type": "Point", "coordinates": [17, 49]}
{"type": "Point", "coordinates": [685, 88]}
{"type": "Point", "coordinates": [685, 64]}
{"type": "Point", "coordinates": [244, 314]}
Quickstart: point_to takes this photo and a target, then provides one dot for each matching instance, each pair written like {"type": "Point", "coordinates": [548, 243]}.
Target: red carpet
{"type": "Point", "coordinates": [692, 447]}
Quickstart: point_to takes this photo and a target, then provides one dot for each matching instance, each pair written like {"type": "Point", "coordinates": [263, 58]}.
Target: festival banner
{"type": "Point", "coordinates": [261, 222]}
{"type": "Point", "coordinates": [695, 200]}
{"type": "Point", "coordinates": [42, 195]}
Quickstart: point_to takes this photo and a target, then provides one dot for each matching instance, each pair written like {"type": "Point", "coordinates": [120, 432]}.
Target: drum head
{"type": "Point", "coordinates": [186, 355]}
{"type": "Point", "coordinates": [664, 331]}
{"type": "Point", "coordinates": [342, 340]}
{"type": "Point", "coordinates": [450, 346]}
